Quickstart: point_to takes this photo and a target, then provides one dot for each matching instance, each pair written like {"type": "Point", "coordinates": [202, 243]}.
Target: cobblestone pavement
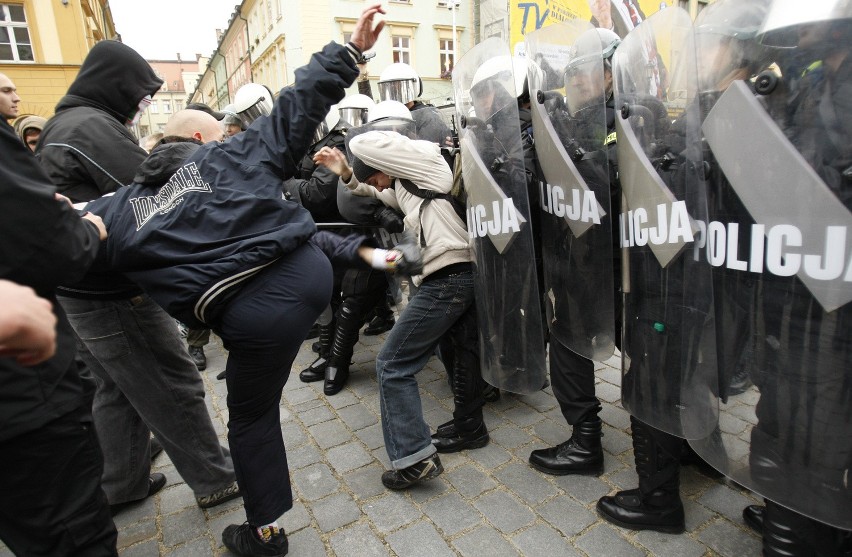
{"type": "Point", "coordinates": [488, 502]}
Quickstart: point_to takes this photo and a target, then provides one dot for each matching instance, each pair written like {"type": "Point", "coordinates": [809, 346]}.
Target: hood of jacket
{"type": "Point", "coordinates": [113, 78]}
{"type": "Point", "coordinates": [164, 161]}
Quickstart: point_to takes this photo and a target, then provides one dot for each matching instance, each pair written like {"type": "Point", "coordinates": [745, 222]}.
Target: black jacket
{"type": "Point", "coordinates": [221, 218]}
{"type": "Point", "coordinates": [86, 149]}
{"type": "Point", "coordinates": [42, 243]}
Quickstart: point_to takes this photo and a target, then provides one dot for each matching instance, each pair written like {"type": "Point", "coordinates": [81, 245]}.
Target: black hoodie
{"type": "Point", "coordinates": [86, 148]}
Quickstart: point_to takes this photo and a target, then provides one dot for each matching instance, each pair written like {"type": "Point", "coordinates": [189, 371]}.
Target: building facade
{"type": "Point", "coordinates": [43, 43]}
{"type": "Point", "coordinates": [179, 77]}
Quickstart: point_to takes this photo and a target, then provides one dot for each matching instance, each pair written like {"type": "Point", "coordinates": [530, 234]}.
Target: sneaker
{"type": "Point", "coordinates": [243, 539]}
{"type": "Point", "coordinates": [424, 470]}
{"type": "Point", "coordinates": [198, 357]}
{"type": "Point", "coordinates": [156, 482]}
{"type": "Point", "coordinates": [227, 493]}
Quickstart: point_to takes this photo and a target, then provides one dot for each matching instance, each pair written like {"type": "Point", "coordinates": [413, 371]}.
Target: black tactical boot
{"type": "Point", "coordinates": [316, 371]}
{"type": "Point", "coordinates": [787, 533]}
{"type": "Point", "coordinates": [753, 517]}
{"type": "Point", "coordinates": [656, 504]}
{"type": "Point", "coordinates": [467, 433]}
{"type": "Point", "coordinates": [581, 454]}
{"type": "Point", "coordinates": [337, 372]}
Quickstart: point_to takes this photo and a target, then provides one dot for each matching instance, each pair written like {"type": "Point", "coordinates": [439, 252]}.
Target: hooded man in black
{"type": "Point", "coordinates": [131, 345]}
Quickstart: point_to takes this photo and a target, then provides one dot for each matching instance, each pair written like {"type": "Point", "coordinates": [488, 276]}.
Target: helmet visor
{"type": "Point", "coordinates": [354, 116]}
{"type": "Point", "coordinates": [402, 90]}
{"type": "Point", "coordinates": [253, 112]}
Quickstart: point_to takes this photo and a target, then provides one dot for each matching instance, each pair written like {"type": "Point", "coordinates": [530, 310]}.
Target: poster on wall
{"type": "Point", "coordinates": [619, 15]}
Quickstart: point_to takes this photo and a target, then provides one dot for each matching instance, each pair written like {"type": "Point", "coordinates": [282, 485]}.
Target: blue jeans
{"type": "Point", "coordinates": [430, 314]}
{"type": "Point", "coordinates": [146, 382]}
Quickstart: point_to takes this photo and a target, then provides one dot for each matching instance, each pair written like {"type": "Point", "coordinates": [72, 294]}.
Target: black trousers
{"type": "Point", "coordinates": [573, 380]}
{"type": "Point", "coordinates": [50, 488]}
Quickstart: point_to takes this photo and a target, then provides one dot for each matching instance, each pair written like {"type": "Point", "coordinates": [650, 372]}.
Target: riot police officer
{"type": "Point", "coordinates": [400, 82]}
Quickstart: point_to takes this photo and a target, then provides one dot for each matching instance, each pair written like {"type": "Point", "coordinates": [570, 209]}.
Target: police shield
{"type": "Point", "coordinates": [570, 133]}
{"type": "Point", "coordinates": [783, 270]}
{"type": "Point", "coordinates": [668, 350]}
{"type": "Point", "coordinates": [498, 217]}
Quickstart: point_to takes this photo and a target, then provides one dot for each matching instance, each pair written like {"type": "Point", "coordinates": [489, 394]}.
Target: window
{"type": "Point", "coordinates": [15, 43]}
{"type": "Point", "coordinates": [401, 49]}
{"type": "Point", "coordinates": [178, 105]}
{"type": "Point", "coordinates": [167, 107]}
{"type": "Point", "coordinates": [445, 51]}
{"type": "Point", "coordinates": [155, 107]}
{"type": "Point", "coordinates": [347, 37]}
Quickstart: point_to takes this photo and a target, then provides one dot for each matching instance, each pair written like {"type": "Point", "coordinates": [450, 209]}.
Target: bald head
{"type": "Point", "coordinates": [196, 124]}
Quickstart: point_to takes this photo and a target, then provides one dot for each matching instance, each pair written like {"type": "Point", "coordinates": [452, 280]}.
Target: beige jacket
{"type": "Point", "coordinates": [445, 234]}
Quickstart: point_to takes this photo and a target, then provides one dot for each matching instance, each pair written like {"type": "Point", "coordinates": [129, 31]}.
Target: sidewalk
{"type": "Point", "coordinates": [488, 502]}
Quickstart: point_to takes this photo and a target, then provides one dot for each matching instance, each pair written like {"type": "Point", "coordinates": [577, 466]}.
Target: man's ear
{"type": "Point", "coordinates": [198, 136]}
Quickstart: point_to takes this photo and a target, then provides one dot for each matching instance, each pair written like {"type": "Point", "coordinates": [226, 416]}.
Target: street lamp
{"type": "Point", "coordinates": [452, 5]}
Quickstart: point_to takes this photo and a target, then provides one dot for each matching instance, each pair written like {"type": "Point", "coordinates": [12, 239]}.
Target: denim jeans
{"type": "Point", "coordinates": [434, 309]}
{"type": "Point", "coordinates": [146, 382]}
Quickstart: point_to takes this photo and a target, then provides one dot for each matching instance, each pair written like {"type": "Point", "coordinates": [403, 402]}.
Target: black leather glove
{"type": "Point", "coordinates": [388, 219]}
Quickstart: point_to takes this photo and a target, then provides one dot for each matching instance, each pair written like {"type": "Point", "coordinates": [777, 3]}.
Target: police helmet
{"type": "Point", "coordinates": [591, 46]}
{"type": "Point", "coordinates": [231, 118]}
{"type": "Point", "coordinates": [391, 115]}
{"type": "Point", "coordinates": [785, 16]}
{"type": "Point", "coordinates": [252, 101]}
{"type": "Point", "coordinates": [399, 82]}
{"type": "Point", "coordinates": [353, 109]}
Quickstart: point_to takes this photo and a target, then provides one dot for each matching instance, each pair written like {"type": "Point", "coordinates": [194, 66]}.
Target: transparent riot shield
{"type": "Point", "coordinates": [669, 372]}
{"type": "Point", "coordinates": [507, 294]}
{"type": "Point", "coordinates": [783, 231]}
{"type": "Point", "coordinates": [569, 126]}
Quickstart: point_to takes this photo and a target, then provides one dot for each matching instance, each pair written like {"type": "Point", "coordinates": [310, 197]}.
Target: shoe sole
{"type": "Point", "coordinates": [631, 526]}
{"type": "Point", "coordinates": [477, 443]}
{"type": "Point", "coordinates": [557, 472]}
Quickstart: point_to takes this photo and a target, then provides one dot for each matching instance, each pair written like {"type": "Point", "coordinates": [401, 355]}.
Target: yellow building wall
{"type": "Point", "coordinates": [62, 36]}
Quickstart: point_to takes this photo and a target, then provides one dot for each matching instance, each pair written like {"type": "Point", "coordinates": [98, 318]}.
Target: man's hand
{"type": "Point", "coordinates": [364, 36]}
{"type": "Point", "coordinates": [99, 224]}
{"type": "Point", "coordinates": [335, 161]}
{"type": "Point", "coordinates": [27, 325]}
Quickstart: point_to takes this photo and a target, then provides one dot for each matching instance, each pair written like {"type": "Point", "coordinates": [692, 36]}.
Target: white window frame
{"type": "Point", "coordinates": [445, 53]}
{"type": "Point", "coordinates": [8, 27]}
{"type": "Point", "coordinates": [167, 107]}
{"type": "Point", "coordinates": [400, 52]}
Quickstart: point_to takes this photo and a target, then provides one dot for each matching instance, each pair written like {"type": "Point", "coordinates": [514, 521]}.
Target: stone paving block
{"type": "Point", "coordinates": [729, 541]}
{"type": "Point", "coordinates": [526, 483]}
{"type": "Point", "coordinates": [306, 543]}
{"type": "Point", "coordinates": [485, 541]}
{"type": "Point", "coordinates": [469, 481]}
{"type": "Point", "coordinates": [615, 441]}
{"type": "Point", "coordinates": [371, 436]}
{"type": "Point", "coordinates": [604, 540]}
{"type": "Point", "coordinates": [567, 516]}
{"type": "Point", "coordinates": [696, 515]}
{"type": "Point", "coordinates": [217, 525]}
{"type": "Point", "coordinates": [186, 525]}
{"type": "Point", "coordinates": [438, 416]}
{"type": "Point", "coordinates": [343, 399]}
{"type": "Point", "coordinates": [144, 549]}
{"type": "Point", "coordinates": [419, 540]}
{"type": "Point", "coordinates": [726, 501]}
{"type": "Point", "coordinates": [438, 388]}
{"type": "Point", "coordinates": [348, 457]}
{"type": "Point", "coordinates": [330, 434]}
{"type": "Point", "coordinates": [608, 392]}
{"type": "Point", "coordinates": [625, 478]}
{"type": "Point", "coordinates": [357, 541]}
{"type": "Point", "coordinates": [509, 436]}
{"type": "Point", "coordinates": [506, 513]}
{"type": "Point", "coordinates": [742, 411]}
{"type": "Point", "coordinates": [730, 423]}
{"type": "Point", "coordinates": [451, 514]}
{"type": "Point", "coordinates": [357, 416]}
{"type": "Point", "coordinates": [425, 491]}
{"type": "Point", "coordinates": [586, 489]}
{"type": "Point", "coordinates": [196, 548]}
{"type": "Point", "coordinates": [371, 401]}
{"type": "Point", "coordinates": [298, 396]}
{"type": "Point", "coordinates": [541, 539]}
{"type": "Point", "coordinates": [316, 415]}
{"type": "Point", "coordinates": [295, 519]}
{"type": "Point", "coordinates": [335, 511]}
{"type": "Point", "coordinates": [540, 401]}
{"type": "Point", "coordinates": [551, 432]}
{"type": "Point", "coordinates": [615, 416]}
{"type": "Point", "coordinates": [490, 456]}
{"type": "Point", "coordinates": [609, 374]}
{"type": "Point", "coordinates": [176, 498]}
{"type": "Point", "coordinates": [366, 482]}
{"type": "Point", "coordinates": [391, 512]}
{"type": "Point", "coordinates": [669, 544]}
{"type": "Point", "coordinates": [135, 533]}
{"type": "Point", "coordinates": [146, 508]}
{"type": "Point", "coordinates": [523, 416]}
{"type": "Point", "coordinates": [315, 481]}
{"type": "Point", "coordinates": [381, 456]}
{"type": "Point", "coordinates": [303, 456]}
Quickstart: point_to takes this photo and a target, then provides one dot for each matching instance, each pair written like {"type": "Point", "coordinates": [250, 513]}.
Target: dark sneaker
{"type": "Point", "coordinates": [379, 325]}
{"type": "Point", "coordinates": [227, 493]}
{"type": "Point", "coordinates": [244, 540]}
{"type": "Point", "coordinates": [198, 357]}
{"type": "Point", "coordinates": [156, 482]}
{"type": "Point", "coordinates": [424, 470]}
